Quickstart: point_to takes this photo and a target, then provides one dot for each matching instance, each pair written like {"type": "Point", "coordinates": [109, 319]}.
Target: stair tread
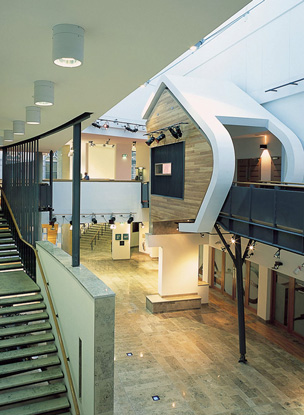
{"type": "Point", "coordinates": [5, 231]}
{"type": "Point", "coordinates": [9, 253]}
{"type": "Point", "coordinates": [10, 259]}
{"type": "Point", "coordinates": [39, 408]}
{"type": "Point", "coordinates": [26, 394]}
{"type": "Point", "coordinates": [23, 329]}
{"type": "Point", "coordinates": [7, 247]}
{"type": "Point", "coordinates": [25, 340]}
{"type": "Point", "coordinates": [20, 299]}
{"type": "Point", "coordinates": [5, 234]}
{"type": "Point", "coordinates": [27, 365]}
{"type": "Point", "coordinates": [30, 378]}
{"type": "Point", "coordinates": [27, 352]}
{"type": "Point", "coordinates": [16, 282]}
{"type": "Point", "coordinates": [4, 321]}
{"type": "Point", "coordinates": [5, 241]}
{"type": "Point", "coordinates": [10, 266]}
{"type": "Point", "coordinates": [22, 308]}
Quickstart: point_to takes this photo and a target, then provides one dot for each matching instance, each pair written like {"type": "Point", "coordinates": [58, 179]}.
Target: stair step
{"type": "Point", "coordinates": [7, 267]}
{"type": "Point", "coordinates": [22, 308]}
{"type": "Point", "coordinates": [27, 352]}
{"type": "Point", "coordinates": [20, 299]}
{"type": "Point", "coordinates": [25, 340]}
{"type": "Point", "coordinates": [9, 253]}
{"type": "Point", "coordinates": [30, 378]}
{"type": "Point", "coordinates": [4, 231]}
{"type": "Point", "coordinates": [24, 329]}
{"type": "Point", "coordinates": [4, 321]}
{"type": "Point", "coordinates": [39, 408]}
{"type": "Point", "coordinates": [26, 394]}
{"type": "Point", "coordinates": [7, 260]}
{"type": "Point", "coordinates": [28, 365]}
{"type": "Point", "coordinates": [6, 241]}
{"type": "Point", "coordinates": [5, 234]}
{"type": "Point", "coordinates": [6, 247]}
{"type": "Point", "coordinates": [4, 224]}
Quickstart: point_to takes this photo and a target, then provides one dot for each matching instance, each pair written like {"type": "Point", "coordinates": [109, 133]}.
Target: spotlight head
{"type": "Point", "coordinates": [178, 131]}
{"type": "Point", "coordinates": [95, 125]}
{"type": "Point", "coordinates": [94, 221]}
{"type": "Point", "coordinates": [112, 220]}
{"type": "Point", "coordinates": [277, 254]}
{"type": "Point", "coordinates": [160, 137]}
{"type": "Point", "coordinates": [150, 140]}
{"type": "Point", "coordinates": [173, 132]}
{"type": "Point", "coordinates": [130, 220]}
{"type": "Point", "coordinates": [106, 125]}
{"type": "Point", "coordinates": [277, 264]}
{"type": "Point", "coordinates": [263, 146]}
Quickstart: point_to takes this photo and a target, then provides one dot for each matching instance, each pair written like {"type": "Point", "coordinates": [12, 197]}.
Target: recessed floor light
{"type": "Point", "coordinates": [156, 398]}
{"type": "Point", "coordinates": [129, 354]}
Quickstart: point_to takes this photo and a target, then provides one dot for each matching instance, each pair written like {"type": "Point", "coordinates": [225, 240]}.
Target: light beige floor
{"type": "Point", "coordinates": [190, 358]}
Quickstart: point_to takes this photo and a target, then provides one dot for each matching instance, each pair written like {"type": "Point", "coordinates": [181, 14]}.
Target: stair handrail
{"type": "Point", "coordinates": [94, 237]}
{"type": "Point", "coordinates": [65, 359]}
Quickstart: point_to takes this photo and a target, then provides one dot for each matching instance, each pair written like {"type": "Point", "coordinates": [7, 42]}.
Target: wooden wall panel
{"type": "Point", "coordinates": [198, 162]}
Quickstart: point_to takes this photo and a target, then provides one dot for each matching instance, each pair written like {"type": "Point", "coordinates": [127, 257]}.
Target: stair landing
{"type": "Point", "coordinates": [16, 282]}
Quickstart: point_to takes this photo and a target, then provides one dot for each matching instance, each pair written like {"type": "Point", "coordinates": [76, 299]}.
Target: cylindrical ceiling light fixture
{"type": "Point", "coordinates": [68, 45]}
{"type": "Point", "coordinates": [44, 93]}
{"type": "Point", "coordinates": [8, 135]}
{"type": "Point", "coordinates": [1, 141]}
{"type": "Point", "coordinates": [19, 127]}
{"type": "Point", "coordinates": [33, 115]}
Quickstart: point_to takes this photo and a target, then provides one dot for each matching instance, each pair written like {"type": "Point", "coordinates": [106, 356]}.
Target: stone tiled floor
{"type": "Point", "coordinates": [190, 358]}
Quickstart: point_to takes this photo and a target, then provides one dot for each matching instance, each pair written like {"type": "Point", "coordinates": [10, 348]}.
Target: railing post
{"type": "Point", "coordinates": [76, 196]}
{"type": "Point", "coordinates": [240, 298]}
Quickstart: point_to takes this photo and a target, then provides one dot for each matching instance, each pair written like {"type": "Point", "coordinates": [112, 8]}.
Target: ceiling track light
{"type": "Point", "coordinates": [44, 93]}
{"type": "Point", "coordinates": [94, 124]}
{"type": "Point", "coordinates": [173, 132]}
{"type": "Point", "coordinates": [112, 220]}
{"type": "Point", "coordinates": [277, 265]}
{"type": "Point", "coordinates": [150, 140]}
{"type": "Point", "coordinates": [131, 219]}
{"type": "Point", "coordinates": [18, 127]}
{"type": "Point", "coordinates": [160, 137]}
{"type": "Point", "coordinates": [131, 130]}
{"type": "Point", "coordinates": [33, 115]}
{"type": "Point", "coordinates": [1, 141]}
{"type": "Point", "coordinates": [106, 125]}
{"type": "Point", "coordinates": [277, 254]}
{"type": "Point", "coordinates": [174, 129]}
{"type": "Point", "coordinates": [68, 45]}
{"type": "Point", "coordinates": [94, 220]}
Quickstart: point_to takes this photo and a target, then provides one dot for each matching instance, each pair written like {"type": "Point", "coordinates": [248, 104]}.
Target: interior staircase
{"type": "Point", "coordinates": [103, 235]}
{"type": "Point", "coordinates": [31, 379]}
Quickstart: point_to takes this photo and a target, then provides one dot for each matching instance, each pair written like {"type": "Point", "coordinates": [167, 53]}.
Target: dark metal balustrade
{"type": "Point", "coordinates": [269, 213]}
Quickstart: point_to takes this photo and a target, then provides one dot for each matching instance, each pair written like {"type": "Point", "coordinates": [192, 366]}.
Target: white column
{"type": "Point", "coordinates": [264, 293]}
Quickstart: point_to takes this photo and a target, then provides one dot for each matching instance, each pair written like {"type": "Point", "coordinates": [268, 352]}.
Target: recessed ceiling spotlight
{"type": "Point", "coordinates": [68, 45]}
{"type": "Point", "coordinates": [18, 127]}
{"type": "Point", "coordinates": [44, 93]}
{"type": "Point", "coordinates": [33, 115]}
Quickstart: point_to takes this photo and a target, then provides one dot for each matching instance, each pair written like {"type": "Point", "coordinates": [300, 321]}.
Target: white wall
{"type": "Point", "coordinates": [78, 295]}
{"type": "Point", "coordinates": [101, 162]}
{"type": "Point", "coordinates": [120, 198]}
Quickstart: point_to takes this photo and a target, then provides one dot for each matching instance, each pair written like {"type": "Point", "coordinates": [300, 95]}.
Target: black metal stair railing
{"type": "Point", "coordinates": [26, 250]}
{"type": "Point", "coordinates": [269, 213]}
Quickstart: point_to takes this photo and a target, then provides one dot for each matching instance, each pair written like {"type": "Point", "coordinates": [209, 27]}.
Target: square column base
{"type": "Point", "coordinates": [157, 304]}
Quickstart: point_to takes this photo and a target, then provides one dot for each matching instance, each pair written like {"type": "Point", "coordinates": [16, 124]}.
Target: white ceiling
{"type": "Point", "coordinates": [126, 43]}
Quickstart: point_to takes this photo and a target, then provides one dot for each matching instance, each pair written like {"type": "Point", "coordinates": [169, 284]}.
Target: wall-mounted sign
{"type": "Point", "coordinates": [163, 169]}
{"type": "Point", "coordinates": [118, 237]}
{"type": "Point", "coordinates": [125, 236]}
{"type": "Point", "coordinates": [121, 243]}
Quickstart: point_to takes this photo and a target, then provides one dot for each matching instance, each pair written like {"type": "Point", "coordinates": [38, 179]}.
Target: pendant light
{"type": "Point", "coordinates": [44, 93]}
{"type": "Point", "coordinates": [1, 141]}
{"type": "Point", "coordinates": [8, 135]}
{"type": "Point", "coordinates": [33, 115]}
{"type": "Point", "coordinates": [68, 44]}
{"type": "Point", "coordinates": [18, 127]}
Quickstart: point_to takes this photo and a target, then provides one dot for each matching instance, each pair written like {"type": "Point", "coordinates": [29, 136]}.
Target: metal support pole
{"type": "Point", "coordinates": [240, 298]}
{"type": "Point", "coordinates": [76, 196]}
{"type": "Point", "coordinates": [51, 185]}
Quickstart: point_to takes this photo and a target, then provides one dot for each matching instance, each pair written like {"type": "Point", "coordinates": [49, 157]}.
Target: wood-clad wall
{"type": "Point", "coordinates": [198, 162]}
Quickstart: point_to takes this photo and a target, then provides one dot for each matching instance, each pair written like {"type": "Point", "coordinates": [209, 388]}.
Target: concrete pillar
{"type": "Point", "coordinates": [264, 293]}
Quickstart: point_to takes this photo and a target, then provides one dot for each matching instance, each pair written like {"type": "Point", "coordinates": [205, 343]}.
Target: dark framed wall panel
{"type": "Point", "coordinates": [171, 185]}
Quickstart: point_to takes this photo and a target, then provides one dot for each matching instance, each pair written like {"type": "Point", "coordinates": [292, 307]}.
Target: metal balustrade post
{"type": "Point", "coordinates": [76, 195]}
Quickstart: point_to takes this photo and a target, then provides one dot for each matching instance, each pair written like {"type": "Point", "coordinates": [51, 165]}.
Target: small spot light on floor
{"type": "Point", "coordinates": [156, 398]}
{"type": "Point", "coordinates": [131, 219]}
{"type": "Point", "coordinates": [277, 254]}
{"type": "Point", "coordinates": [129, 354]}
{"type": "Point", "coordinates": [150, 140]}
